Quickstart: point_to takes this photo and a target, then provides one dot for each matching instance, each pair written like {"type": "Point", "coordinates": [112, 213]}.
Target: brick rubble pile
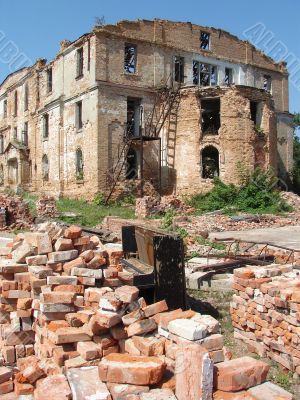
{"type": "Point", "coordinates": [46, 207]}
{"type": "Point", "coordinates": [18, 215]}
{"type": "Point", "coordinates": [148, 206]}
{"type": "Point", "coordinates": [265, 312]}
{"type": "Point", "coordinates": [74, 327]}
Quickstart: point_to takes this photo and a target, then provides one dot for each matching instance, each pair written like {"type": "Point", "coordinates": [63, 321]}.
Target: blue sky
{"type": "Point", "coordinates": [36, 27]}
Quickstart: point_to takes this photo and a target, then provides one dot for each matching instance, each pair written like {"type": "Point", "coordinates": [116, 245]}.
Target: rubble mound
{"type": "Point", "coordinates": [46, 207]}
{"type": "Point", "coordinates": [292, 199]}
{"type": "Point", "coordinates": [18, 215]}
{"type": "Point", "coordinates": [148, 206]}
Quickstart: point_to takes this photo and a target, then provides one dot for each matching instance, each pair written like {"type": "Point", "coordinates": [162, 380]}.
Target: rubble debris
{"type": "Point", "coordinates": [148, 206]}
{"type": "Point", "coordinates": [69, 327]}
{"type": "Point", "coordinates": [46, 207]}
{"type": "Point", "coordinates": [18, 215]}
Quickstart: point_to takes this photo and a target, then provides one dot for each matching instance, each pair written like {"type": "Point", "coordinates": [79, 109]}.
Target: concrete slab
{"type": "Point", "coordinates": [288, 236]}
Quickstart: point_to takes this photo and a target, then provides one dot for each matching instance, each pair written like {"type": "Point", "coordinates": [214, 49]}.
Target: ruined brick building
{"type": "Point", "coordinates": [173, 103]}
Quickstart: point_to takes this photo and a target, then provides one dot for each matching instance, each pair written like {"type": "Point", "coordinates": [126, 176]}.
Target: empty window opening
{"type": "Point", "coordinates": [15, 103]}
{"type": "Point", "coordinates": [1, 175]}
{"type": "Point", "coordinates": [256, 110]}
{"type": "Point", "coordinates": [45, 126]}
{"type": "Point", "coordinates": [49, 80]}
{"type": "Point", "coordinates": [1, 144]}
{"type": "Point", "coordinates": [45, 165]}
{"type": "Point", "coordinates": [25, 134]}
{"type": "Point", "coordinates": [79, 164]}
{"type": "Point", "coordinates": [26, 97]}
{"type": "Point", "coordinates": [210, 162]}
{"type": "Point", "coordinates": [15, 134]}
{"type": "Point", "coordinates": [204, 40]}
{"type": "Point", "coordinates": [130, 57]}
{"type": "Point", "coordinates": [228, 76]}
{"type": "Point", "coordinates": [132, 164]}
{"type": "Point", "coordinates": [5, 108]}
{"type": "Point", "coordinates": [179, 69]}
{"type": "Point", "coordinates": [267, 83]}
{"type": "Point", "coordinates": [134, 117]}
{"type": "Point", "coordinates": [78, 115]}
{"type": "Point", "coordinates": [79, 62]}
{"type": "Point", "coordinates": [204, 74]}
{"type": "Point", "coordinates": [210, 113]}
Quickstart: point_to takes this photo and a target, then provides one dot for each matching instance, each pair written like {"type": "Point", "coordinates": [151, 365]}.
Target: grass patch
{"type": "Point", "coordinates": [91, 214]}
{"type": "Point", "coordinates": [257, 194]}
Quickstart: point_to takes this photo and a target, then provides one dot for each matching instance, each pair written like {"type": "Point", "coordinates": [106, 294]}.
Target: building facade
{"type": "Point", "coordinates": [65, 124]}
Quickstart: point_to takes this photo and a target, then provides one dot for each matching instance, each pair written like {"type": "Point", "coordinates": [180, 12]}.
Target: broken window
{"type": "Point", "coordinates": [45, 165]}
{"type": "Point", "coordinates": [49, 80]}
{"type": "Point", "coordinates": [267, 83]}
{"type": "Point", "coordinates": [79, 164]}
{"type": "Point", "coordinates": [15, 103]}
{"type": "Point", "coordinates": [5, 108]}
{"type": "Point", "coordinates": [25, 134]}
{"type": "Point", "coordinates": [134, 117]}
{"type": "Point", "coordinates": [130, 52]}
{"type": "Point", "coordinates": [45, 126]}
{"type": "Point", "coordinates": [78, 115]}
{"type": "Point", "coordinates": [1, 175]}
{"type": "Point", "coordinates": [210, 162]}
{"type": "Point", "coordinates": [79, 62]}
{"type": "Point", "coordinates": [132, 164]}
{"type": "Point", "coordinates": [210, 113]}
{"type": "Point", "coordinates": [26, 97]}
{"type": "Point", "coordinates": [179, 69]}
{"type": "Point", "coordinates": [1, 144]}
{"type": "Point", "coordinates": [228, 76]}
{"type": "Point", "coordinates": [204, 40]}
{"type": "Point", "coordinates": [205, 74]}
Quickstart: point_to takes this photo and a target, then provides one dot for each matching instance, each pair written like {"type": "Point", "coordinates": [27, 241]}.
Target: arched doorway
{"type": "Point", "coordinates": [210, 162]}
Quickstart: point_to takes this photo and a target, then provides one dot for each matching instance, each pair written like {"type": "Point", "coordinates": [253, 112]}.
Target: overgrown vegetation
{"type": "Point", "coordinates": [257, 193]}
{"type": "Point", "coordinates": [296, 155]}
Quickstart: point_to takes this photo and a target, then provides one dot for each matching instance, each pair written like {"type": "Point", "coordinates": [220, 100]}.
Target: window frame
{"type": "Point", "coordinates": [15, 103]}
{"type": "Point", "coordinates": [45, 172]}
{"type": "Point", "coordinates": [1, 144]}
{"type": "Point", "coordinates": [5, 108]}
{"type": "Point", "coordinates": [208, 73]}
{"type": "Point", "coordinates": [26, 97]}
{"type": "Point", "coordinates": [179, 74]}
{"type": "Point", "coordinates": [79, 164]}
{"type": "Point", "coordinates": [79, 62]}
{"type": "Point", "coordinates": [25, 134]}
{"type": "Point", "coordinates": [230, 76]}
{"type": "Point", "coordinates": [267, 83]}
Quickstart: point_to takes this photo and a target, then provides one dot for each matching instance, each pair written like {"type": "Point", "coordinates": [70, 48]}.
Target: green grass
{"type": "Point", "coordinates": [90, 214]}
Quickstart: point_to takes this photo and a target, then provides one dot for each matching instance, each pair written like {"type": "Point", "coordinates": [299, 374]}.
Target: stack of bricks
{"type": "Point", "coordinates": [74, 327]}
{"type": "Point", "coordinates": [265, 312]}
{"type": "Point", "coordinates": [46, 207]}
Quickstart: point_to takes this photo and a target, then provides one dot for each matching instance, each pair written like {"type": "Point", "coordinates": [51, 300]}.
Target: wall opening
{"type": "Point", "coordinates": [179, 69]}
{"type": "Point", "coordinates": [45, 166]}
{"type": "Point", "coordinates": [228, 79]}
{"type": "Point", "coordinates": [130, 57]}
{"type": "Point", "coordinates": [132, 164]}
{"type": "Point", "coordinates": [134, 116]}
{"type": "Point", "coordinates": [79, 165]}
{"type": "Point", "coordinates": [204, 40]}
{"type": "Point", "coordinates": [256, 111]}
{"type": "Point", "coordinates": [13, 171]}
{"type": "Point", "coordinates": [210, 112]}
{"type": "Point", "coordinates": [210, 162]}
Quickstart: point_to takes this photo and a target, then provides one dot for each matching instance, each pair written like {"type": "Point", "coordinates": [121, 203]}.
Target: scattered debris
{"type": "Point", "coordinates": [46, 207]}
{"type": "Point", "coordinates": [18, 215]}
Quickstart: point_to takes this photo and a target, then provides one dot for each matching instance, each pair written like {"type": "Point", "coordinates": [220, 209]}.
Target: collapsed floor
{"type": "Point", "coordinates": [74, 327]}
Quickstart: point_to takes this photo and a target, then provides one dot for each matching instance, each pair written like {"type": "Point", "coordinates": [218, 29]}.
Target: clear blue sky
{"type": "Point", "coordinates": [37, 27]}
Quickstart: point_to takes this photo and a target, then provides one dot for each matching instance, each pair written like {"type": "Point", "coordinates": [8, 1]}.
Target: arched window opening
{"type": "Point", "coordinates": [79, 165]}
{"type": "Point", "coordinates": [210, 162]}
{"type": "Point", "coordinates": [45, 163]}
{"type": "Point", "coordinates": [132, 164]}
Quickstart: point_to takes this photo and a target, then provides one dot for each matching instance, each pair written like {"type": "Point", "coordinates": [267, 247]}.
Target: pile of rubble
{"type": "Point", "coordinates": [74, 327]}
{"type": "Point", "coordinates": [18, 215]}
{"type": "Point", "coordinates": [148, 206]}
{"type": "Point", "coordinates": [265, 312]}
{"type": "Point", "coordinates": [46, 207]}
{"type": "Point", "coordinates": [292, 199]}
